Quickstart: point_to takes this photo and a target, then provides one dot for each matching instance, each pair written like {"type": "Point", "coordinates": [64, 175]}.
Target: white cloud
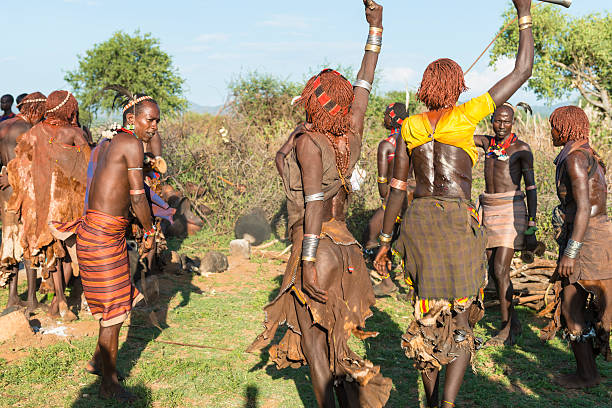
{"type": "Point", "coordinates": [399, 76]}
{"type": "Point", "coordinates": [481, 81]}
{"type": "Point", "coordinates": [197, 48]}
{"type": "Point", "coordinates": [8, 58]}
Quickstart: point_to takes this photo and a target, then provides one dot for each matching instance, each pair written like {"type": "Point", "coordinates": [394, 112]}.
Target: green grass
{"type": "Point", "coordinates": [165, 375]}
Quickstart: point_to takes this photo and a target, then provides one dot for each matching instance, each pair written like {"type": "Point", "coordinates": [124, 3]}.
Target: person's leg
{"type": "Point", "coordinates": [456, 370]}
{"type": "Point", "coordinates": [315, 348]}
{"type": "Point", "coordinates": [573, 299]}
{"type": "Point", "coordinates": [499, 264]}
{"type": "Point", "coordinates": [431, 383]}
{"type": "Point", "coordinates": [60, 304]}
{"type": "Point", "coordinates": [314, 339]}
{"type": "Point", "coordinates": [13, 298]}
{"type": "Point", "coordinates": [67, 272]}
{"type": "Point", "coordinates": [31, 302]}
{"type": "Point", "coordinates": [108, 346]}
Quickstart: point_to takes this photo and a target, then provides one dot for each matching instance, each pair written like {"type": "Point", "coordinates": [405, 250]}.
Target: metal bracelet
{"type": "Point", "coordinates": [373, 48]}
{"type": "Point", "coordinates": [381, 180]}
{"type": "Point", "coordinates": [385, 238]}
{"type": "Point", "coordinates": [310, 244]}
{"type": "Point", "coordinates": [374, 39]}
{"type": "Point", "coordinates": [572, 249]}
{"type": "Point", "coordinates": [314, 197]}
{"type": "Point", "coordinates": [362, 83]}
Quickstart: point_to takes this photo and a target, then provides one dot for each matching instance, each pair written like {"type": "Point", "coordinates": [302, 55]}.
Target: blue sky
{"type": "Point", "coordinates": [212, 42]}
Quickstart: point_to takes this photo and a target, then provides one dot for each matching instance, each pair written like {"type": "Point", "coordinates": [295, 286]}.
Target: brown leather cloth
{"type": "Point", "coordinates": [49, 181]}
{"type": "Point", "coordinates": [292, 177]}
{"type": "Point", "coordinates": [504, 215]}
{"type": "Point", "coordinates": [594, 261]}
{"type": "Point", "coordinates": [430, 339]}
{"type": "Point", "coordinates": [347, 308]}
{"type": "Point", "coordinates": [11, 251]}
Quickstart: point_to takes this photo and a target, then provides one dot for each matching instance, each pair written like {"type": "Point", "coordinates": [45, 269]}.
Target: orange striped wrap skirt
{"type": "Point", "coordinates": [103, 262]}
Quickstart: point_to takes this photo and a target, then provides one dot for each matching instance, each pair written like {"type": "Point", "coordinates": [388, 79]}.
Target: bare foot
{"type": "Point", "coordinates": [66, 313]}
{"type": "Point", "coordinates": [503, 338]}
{"type": "Point", "coordinates": [575, 381]}
{"type": "Point", "coordinates": [53, 310]}
{"type": "Point", "coordinates": [385, 287]}
{"type": "Point", "coordinates": [117, 392]}
{"type": "Point", "coordinates": [92, 368]}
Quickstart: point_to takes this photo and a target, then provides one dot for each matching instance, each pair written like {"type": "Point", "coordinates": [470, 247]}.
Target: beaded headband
{"type": "Point", "coordinates": [61, 104]}
{"type": "Point", "coordinates": [31, 101]}
{"type": "Point", "coordinates": [135, 102]}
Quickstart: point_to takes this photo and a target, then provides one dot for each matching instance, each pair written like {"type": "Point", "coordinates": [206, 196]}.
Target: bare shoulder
{"type": "Point", "coordinates": [304, 143]}
{"type": "Point", "coordinates": [128, 142]}
{"type": "Point", "coordinates": [577, 159]}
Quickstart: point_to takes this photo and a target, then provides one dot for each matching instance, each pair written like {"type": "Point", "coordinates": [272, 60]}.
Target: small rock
{"type": "Point", "coordinates": [255, 225]}
{"type": "Point", "coordinates": [240, 248]}
{"type": "Point", "coordinates": [174, 264]}
{"type": "Point", "coordinates": [13, 322]}
{"type": "Point", "coordinates": [213, 262]}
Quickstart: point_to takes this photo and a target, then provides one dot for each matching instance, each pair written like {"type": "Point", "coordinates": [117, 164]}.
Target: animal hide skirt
{"type": "Point", "coordinates": [350, 297]}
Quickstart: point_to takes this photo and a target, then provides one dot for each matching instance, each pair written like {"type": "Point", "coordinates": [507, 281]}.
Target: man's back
{"type": "Point", "coordinates": [10, 130]}
{"type": "Point", "coordinates": [109, 191]}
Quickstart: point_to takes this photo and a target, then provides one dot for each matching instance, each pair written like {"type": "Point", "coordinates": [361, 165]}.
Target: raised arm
{"type": "Point", "coordinates": [134, 157]}
{"type": "Point", "coordinates": [504, 89]}
{"type": "Point", "coordinates": [401, 170]}
{"type": "Point", "coordinates": [577, 169]}
{"type": "Point", "coordinates": [311, 163]}
{"type": "Point", "coordinates": [365, 76]}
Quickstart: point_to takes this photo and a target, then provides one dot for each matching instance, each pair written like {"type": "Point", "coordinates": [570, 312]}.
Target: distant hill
{"type": "Point", "coordinates": [194, 107]}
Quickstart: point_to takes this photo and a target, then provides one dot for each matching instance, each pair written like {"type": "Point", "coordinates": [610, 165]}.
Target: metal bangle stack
{"type": "Point", "coordinates": [572, 249]}
{"type": "Point", "coordinates": [310, 244]}
{"type": "Point", "coordinates": [374, 42]}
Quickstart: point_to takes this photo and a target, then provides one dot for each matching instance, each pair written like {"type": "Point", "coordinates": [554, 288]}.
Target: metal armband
{"type": "Point", "coordinates": [362, 83]}
{"type": "Point", "coordinates": [398, 184]}
{"type": "Point", "coordinates": [314, 197]}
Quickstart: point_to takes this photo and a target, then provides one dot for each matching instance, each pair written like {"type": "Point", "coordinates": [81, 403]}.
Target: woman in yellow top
{"type": "Point", "coordinates": [441, 240]}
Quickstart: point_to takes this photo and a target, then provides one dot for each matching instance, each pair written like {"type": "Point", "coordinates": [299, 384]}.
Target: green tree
{"type": "Point", "coordinates": [135, 62]}
{"type": "Point", "coordinates": [571, 53]}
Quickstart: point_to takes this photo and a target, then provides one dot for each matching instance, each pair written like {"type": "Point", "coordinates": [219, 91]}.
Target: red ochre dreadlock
{"type": "Point", "coordinates": [571, 122]}
{"type": "Point", "coordinates": [442, 84]}
{"type": "Point", "coordinates": [33, 107]}
{"type": "Point", "coordinates": [333, 118]}
{"type": "Point", "coordinates": [66, 114]}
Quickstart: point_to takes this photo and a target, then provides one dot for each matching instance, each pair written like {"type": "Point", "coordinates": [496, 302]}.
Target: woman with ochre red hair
{"type": "Point", "coordinates": [326, 293]}
{"type": "Point", "coordinates": [441, 239]}
{"type": "Point", "coordinates": [585, 246]}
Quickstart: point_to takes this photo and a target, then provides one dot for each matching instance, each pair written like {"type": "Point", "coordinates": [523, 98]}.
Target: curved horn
{"type": "Point", "coordinates": [525, 106]}
{"type": "Point", "coordinates": [564, 3]}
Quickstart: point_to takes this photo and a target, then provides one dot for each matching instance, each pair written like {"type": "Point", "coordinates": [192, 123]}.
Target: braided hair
{"type": "Point", "coordinates": [442, 84]}
{"type": "Point", "coordinates": [327, 99]}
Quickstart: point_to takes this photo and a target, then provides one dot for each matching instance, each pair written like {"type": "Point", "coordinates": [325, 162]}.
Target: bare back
{"type": "Point", "coordinates": [110, 186]}
{"type": "Point", "coordinates": [68, 135]}
{"type": "Point", "coordinates": [10, 130]}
